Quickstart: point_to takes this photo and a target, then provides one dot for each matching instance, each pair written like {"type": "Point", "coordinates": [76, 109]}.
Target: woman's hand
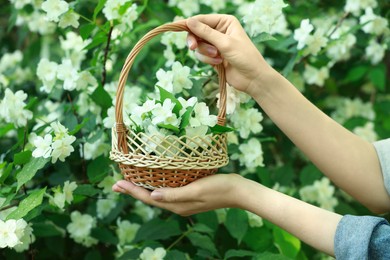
{"type": "Point", "coordinates": [208, 193]}
{"type": "Point", "coordinates": [221, 38]}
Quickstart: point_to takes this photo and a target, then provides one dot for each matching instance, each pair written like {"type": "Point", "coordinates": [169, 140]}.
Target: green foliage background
{"type": "Point", "coordinates": [24, 180]}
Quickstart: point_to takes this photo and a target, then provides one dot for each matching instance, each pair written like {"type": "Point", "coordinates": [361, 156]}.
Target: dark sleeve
{"type": "Point", "coordinates": [362, 237]}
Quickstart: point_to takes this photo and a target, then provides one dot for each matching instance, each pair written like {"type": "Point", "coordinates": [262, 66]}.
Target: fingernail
{"type": "Point", "coordinates": [189, 43]}
{"type": "Point", "coordinates": [156, 195]}
{"type": "Point", "coordinates": [211, 50]}
{"type": "Point", "coordinates": [218, 60]}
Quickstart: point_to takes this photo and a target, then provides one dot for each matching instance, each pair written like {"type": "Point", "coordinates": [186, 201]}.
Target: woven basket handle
{"type": "Point", "coordinates": [175, 27]}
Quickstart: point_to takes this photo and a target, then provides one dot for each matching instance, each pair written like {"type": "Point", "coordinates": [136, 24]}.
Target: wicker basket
{"type": "Point", "coordinates": [154, 161]}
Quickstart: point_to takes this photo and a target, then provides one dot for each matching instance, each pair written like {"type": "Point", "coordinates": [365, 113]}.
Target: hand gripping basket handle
{"type": "Point", "coordinates": [175, 27]}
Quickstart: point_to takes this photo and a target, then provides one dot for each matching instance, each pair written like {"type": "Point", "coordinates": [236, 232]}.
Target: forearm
{"type": "Point", "coordinates": [313, 225]}
{"type": "Point", "coordinates": [346, 159]}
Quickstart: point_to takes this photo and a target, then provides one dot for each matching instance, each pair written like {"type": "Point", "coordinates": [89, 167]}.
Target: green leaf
{"type": "Point", "coordinates": [167, 95]}
{"type": "Point", "coordinates": [104, 235]}
{"type": "Point", "coordinates": [78, 127]}
{"type": "Point", "coordinates": [5, 129]}
{"type": "Point", "coordinates": [86, 30]}
{"type": "Point", "coordinates": [287, 244]}
{"type": "Point", "coordinates": [237, 223]}
{"type": "Point", "coordinates": [238, 253]}
{"type": "Point", "coordinates": [157, 229]}
{"type": "Point", "coordinates": [185, 118]}
{"type": "Point", "coordinates": [202, 228]}
{"type": "Point", "coordinates": [98, 8]}
{"type": "Point", "coordinates": [309, 174]}
{"type": "Point", "coordinates": [220, 129]}
{"type": "Point", "coordinates": [86, 190]}
{"type": "Point", "coordinates": [203, 241]}
{"type": "Point", "coordinates": [355, 74]}
{"type": "Point", "coordinates": [98, 169]}
{"type": "Point", "coordinates": [377, 76]}
{"type": "Point", "coordinates": [26, 205]}
{"type": "Point", "coordinates": [172, 128]}
{"type": "Point", "coordinates": [22, 157]}
{"type": "Point", "coordinates": [96, 41]}
{"type": "Point", "coordinates": [175, 254]}
{"type": "Point", "coordinates": [264, 37]}
{"type": "Point", "coordinates": [102, 98]}
{"type": "Point", "coordinates": [47, 229]}
{"type": "Point", "coordinates": [290, 65]}
{"type": "Point", "coordinates": [258, 239]}
{"type": "Point", "coordinates": [270, 256]}
{"type": "Point", "coordinates": [30, 169]}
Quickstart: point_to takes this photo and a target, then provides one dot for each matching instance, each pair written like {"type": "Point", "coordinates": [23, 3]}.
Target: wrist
{"type": "Point", "coordinates": [264, 83]}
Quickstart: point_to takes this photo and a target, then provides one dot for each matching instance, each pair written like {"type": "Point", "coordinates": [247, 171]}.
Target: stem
{"type": "Point", "coordinates": [9, 206]}
{"type": "Point", "coordinates": [104, 73]}
{"type": "Point", "coordinates": [180, 238]}
{"type": "Point", "coordinates": [338, 24]}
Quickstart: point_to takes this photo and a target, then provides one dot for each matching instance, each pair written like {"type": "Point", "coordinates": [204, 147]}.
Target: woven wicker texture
{"type": "Point", "coordinates": [154, 161]}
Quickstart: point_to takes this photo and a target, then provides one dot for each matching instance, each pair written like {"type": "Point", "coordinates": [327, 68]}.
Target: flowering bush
{"type": "Point", "coordinates": [59, 66]}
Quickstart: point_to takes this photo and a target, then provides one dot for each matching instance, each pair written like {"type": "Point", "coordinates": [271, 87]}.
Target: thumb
{"type": "Point", "coordinates": [206, 32]}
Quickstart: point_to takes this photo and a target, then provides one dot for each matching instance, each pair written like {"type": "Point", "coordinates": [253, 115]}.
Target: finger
{"type": "Point", "coordinates": [192, 41]}
{"type": "Point", "coordinates": [205, 32]}
{"type": "Point", "coordinates": [207, 49]}
{"type": "Point", "coordinates": [133, 190]}
{"type": "Point", "coordinates": [210, 60]}
{"type": "Point", "coordinates": [185, 194]}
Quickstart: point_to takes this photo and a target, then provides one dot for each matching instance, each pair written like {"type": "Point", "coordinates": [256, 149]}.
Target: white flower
{"type": "Point", "coordinates": [96, 148]}
{"type": "Point", "coordinates": [302, 34]}
{"type": "Point", "coordinates": [69, 19]}
{"type": "Point", "coordinates": [340, 50]}
{"type": "Point", "coordinates": [188, 8]}
{"type": "Point", "coordinates": [111, 9]}
{"type": "Point", "coordinates": [58, 199]}
{"type": "Point", "coordinates": [59, 129]}
{"type": "Point", "coordinates": [68, 74]}
{"type": "Point", "coordinates": [12, 108]}
{"type": "Point", "coordinates": [26, 237]}
{"type": "Point", "coordinates": [165, 80]}
{"type": "Point", "coordinates": [308, 193]}
{"type": "Point", "coordinates": [367, 132]}
{"type": "Point", "coordinates": [254, 220]}
{"type": "Point", "coordinates": [187, 103]}
{"type": "Point", "coordinates": [10, 60]}
{"type": "Point", "coordinates": [349, 108]}
{"type": "Point", "coordinates": [19, 4]}
{"type": "Point", "coordinates": [181, 77]}
{"type": "Point", "coordinates": [86, 81]}
{"type": "Point", "coordinates": [355, 6]}
{"type": "Point", "coordinates": [37, 22]}
{"type": "Point", "coordinates": [247, 121]}
{"type": "Point", "coordinates": [163, 114]}
{"type": "Point", "coordinates": [375, 51]}
{"type": "Point", "coordinates": [232, 99]}
{"type": "Point", "coordinates": [157, 254]}
{"type": "Point", "coordinates": [108, 181]}
{"type": "Point", "coordinates": [128, 18]}
{"type": "Point", "coordinates": [202, 116]}
{"type": "Point", "coordinates": [216, 5]}
{"type": "Point", "coordinates": [54, 8]}
{"type": "Point", "coordinates": [47, 72]}
{"type": "Point", "coordinates": [8, 237]}
{"type": "Point", "coordinates": [251, 155]}
{"type": "Point", "coordinates": [68, 189]}
{"type": "Point", "coordinates": [374, 24]}
{"type": "Point", "coordinates": [316, 76]}
{"type": "Point", "coordinates": [104, 206]}
{"type": "Point", "coordinates": [196, 134]}
{"type": "Point", "coordinates": [270, 11]}
{"type": "Point", "coordinates": [144, 211]}
{"type": "Point", "coordinates": [320, 192]}
{"type": "Point", "coordinates": [126, 231]}
{"type": "Point", "coordinates": [43, 146]}
{"type": "Point", "coordinates": [73, 42]}
{"type": "Point", "coordinates": [62, 148]}
{"type": "Point", "coordinates": [174, 38]}
{"type": "Point", "coordinates": [316, 42]}
{"type": "Point", "coordinates": [80, 228]}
